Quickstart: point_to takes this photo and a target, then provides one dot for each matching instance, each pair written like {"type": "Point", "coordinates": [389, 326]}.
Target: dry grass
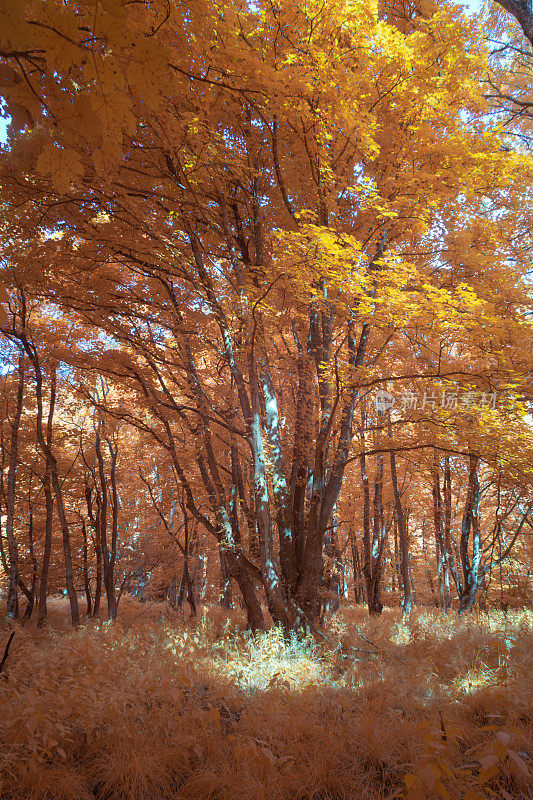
{"type": "Point", "coordinates": [157, 709]}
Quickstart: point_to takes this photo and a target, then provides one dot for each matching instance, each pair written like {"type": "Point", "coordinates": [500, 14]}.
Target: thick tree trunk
{"type": "Point", "coordinates": [225, 599]}
{"type": "Point", "coordinates": [255, 618]}
{"type": "Point", "coordinates": [522, 11]}
{"type": "Point", "coordinates": [281, 609]}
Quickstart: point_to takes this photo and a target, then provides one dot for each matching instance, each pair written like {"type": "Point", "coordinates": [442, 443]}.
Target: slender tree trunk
{"type": "Point", "coordinates": [94, 519]}
{"type": "Point", "coordinates": [11, 607]}
{"type": "Point", "coordinates": [114, 526]}
{"type": "Point", "coordinates": [403, 538]}
{"type": "Point", "coordinates": [447, 555]}
{"type": "Point", "coordinates": [49, 521]}
{"type": "Point", "coordinates": [107, 560]}
{"type": "Point", "coordinates": [32, 592]}
{"type": "Point", "coordinates": [99, 571]}
{"type": "Point", "coordinates": [367, 545]}
{"type": "Point", "coordinates": [69, 573]}
{"type": "Point", "coordinates": [378, 538]}
{"type": "Point", "coordinates": [470, 523]}
{"type": "Point", "coordinates": [397, 570]}
{"type": "Point", "coordinates": [186, 580]}
{"type": "Point", "coordinates": [56, 485]}
{"type": "Point", "coordinates": [86, 579]}
{"type": "Point", "coordinates": [437, 520]}
{"type": "Point", "coordinates": [47, 552]}
{"type": "Point", "coordinates": [413, 587]}
{"type": "Point", "coordinates": [191, 599]}
{"type": "Point", "coordinates": [358, 578]}
{"type": "Point", "coordinates": [373, 548]}
{"type": "Point", "coordinates": [31, 350]}
{"type": "Point", "coordinates": [428, 567]}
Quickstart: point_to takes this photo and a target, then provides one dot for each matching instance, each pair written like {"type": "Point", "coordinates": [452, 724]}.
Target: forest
{"type": "Point", "coordinates": [266, 429]}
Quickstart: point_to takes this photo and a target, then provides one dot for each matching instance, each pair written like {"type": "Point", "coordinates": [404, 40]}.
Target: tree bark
{"type": "Point", "coordinates": [33, 588]}
{"type": "Point", "coordinates": [107, 559]}
{"type": "Point", "coordinates": [358, 580]}
{"type": "Point", "coordinates": [49, 521]}
{"type": "Point", "coordinates": [438, 528]}
{"type": "Point", "coordinates": [470, 523]}
{"type": "Point", "coordinates": [86, 579]}
{"type": "Point", "coordinates": [522, 11]}
{"type": "Point", "coordinates": [403, 539]}
{"type": "Point", "coordinates": [373, 544]}
{"type": "Point", "coordinates": [11, 607]}
{"type": "Point", "coordinates": [31, 350]}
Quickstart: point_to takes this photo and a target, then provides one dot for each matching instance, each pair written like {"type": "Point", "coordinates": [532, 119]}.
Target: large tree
{"type": "Point", "coordinates": [253, 205]}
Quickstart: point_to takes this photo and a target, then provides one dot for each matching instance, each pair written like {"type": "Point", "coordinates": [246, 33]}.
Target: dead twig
{"type": "Point", "coordinates": [369, 642]}
{"type": "Point", "coordinates": [6, 651]}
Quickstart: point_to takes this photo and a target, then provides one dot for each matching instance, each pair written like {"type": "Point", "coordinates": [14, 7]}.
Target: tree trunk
{"type": "Point", "coordinates": [86, 579]}
{"type": "Point", "coordinates": [426, 558]}
{"type": "Point", "coordinates": [470, 523]}
{"type": "Point", "coordinates": [372, 547]}
{"type": "Point", "coordinates": [397, 570]}
{"type": "Point", "coordinates": [403, 538]}
{"type": "Point", "coordinates": [447, 555]}
{"type": "Point", "coordinates": [357, 570]}
{"type": "Point", "coordinates": [332, 579]}
{"type": "Point", "coordinates": [225, 598]}
{"type": "Point", "coordinates": [113, 450]}
{"type": "Point", "coordinates": [107, 561]}
{"type": "Point", "coordinates": [95, 524]}
{"type": "Point", "coordinates": [11, 607]}
{"type": "Point", "coordinates": [49, 522]}
{"type": "Point", "coordinates": [31, 350]}
{"type": "Point", "coordinates": [32, 592]}
{"type": "Point", "coordinates": [99, 577]}
{"type": "Point", "coordinates": [523, 13]}
{"type": "Point", "coordinates": [438, 526]}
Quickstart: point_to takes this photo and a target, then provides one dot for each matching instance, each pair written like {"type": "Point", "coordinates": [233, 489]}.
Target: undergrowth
{"type": "Point", "coordinates": [157, 709]}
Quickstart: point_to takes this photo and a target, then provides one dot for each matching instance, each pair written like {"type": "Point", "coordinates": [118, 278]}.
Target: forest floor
{"type": "Point", "coordinates": [154, 708]}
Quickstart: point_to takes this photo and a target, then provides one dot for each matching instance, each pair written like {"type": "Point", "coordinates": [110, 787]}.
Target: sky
{"type": "Point", "coordinates": [470, 5]}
